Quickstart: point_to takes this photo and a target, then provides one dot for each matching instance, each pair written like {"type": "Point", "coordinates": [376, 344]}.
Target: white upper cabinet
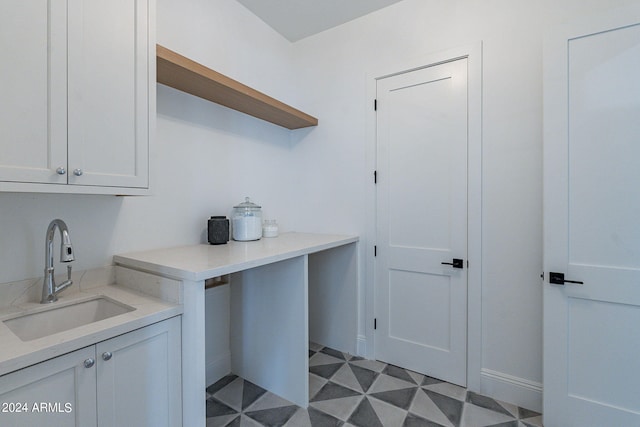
{"type": "Point", "coordinates": [108, 92]}
{"type": "Point", "coordinates": [33, 91]}
{"type": "Point", "coordinates": [76, 95]}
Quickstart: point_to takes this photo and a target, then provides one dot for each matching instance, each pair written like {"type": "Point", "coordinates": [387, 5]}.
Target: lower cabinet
{"type": "Point", "coordinates": [130, 380]}
{"type": "Point", "coordinates": [58, 392]}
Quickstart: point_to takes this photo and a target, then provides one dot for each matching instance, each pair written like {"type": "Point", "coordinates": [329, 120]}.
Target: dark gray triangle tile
{"type": "Point", "coordinates": [526, 424]}
{"type": "Point", "coordinates": [321, 419]}
{"type": "Point", "coordinates": [340, 408]}
{"type": "Point", "coordinates": [311, 353]}
{"type": "Point", "coordinates": [507, 424]}
{"type": "Point", "coordinates": [235, 423]}
{"type": "Point", "coordinates": [365, 416]}
{"type": "Point", "coordinates": [416, 421]}
{"type": "Point", "coordinates": [251, 393]}
{"type": "Point", "coordinates": [315, 384]}
{"type": "Point", "coordinates": [487, 403]}
{"type": "Point", "coordinates": [526, 413]}
{"type": "Point", "coordinates": [398, 372]}
{"type": "Point", "coordinates": [450, 407]}
{"type": "Point", "coordinates": [334, 353]}
{"type": "Point", "coordinates": [365, 377]}
{"type": "Point", "coordinates": [215, 408]}
{"type": "Point", "coordinates": [275, 417]}
{"type": "Point", "coordinates": [451, 390]}
{"type": "Point", "coordinates": [430, 381]}
{"type": "Point", "coordinates": [401, 398]}
{"type": "Point", "coordinates": [355, 358]}
{"type": "Point", "coordinates": [221, 383]}
{"type": "Point", "coordinates": [325, 371]}
{"type": "Point", "coordinates": [333, 391]}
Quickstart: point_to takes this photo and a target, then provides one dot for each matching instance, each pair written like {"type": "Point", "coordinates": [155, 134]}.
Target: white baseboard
{"type": "Point", "coordinates": [510, 389]}
{"type": "Point", "coordinates": [361, 346]}
{"type": "Point", "coordinates": [218, 368]}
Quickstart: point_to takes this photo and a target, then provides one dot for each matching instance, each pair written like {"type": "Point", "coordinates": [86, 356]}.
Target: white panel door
{"type": "Point", "coordinates": [58, 392]}
{"type": "Point", "coordinates": [108, 92]}
{"type": "Point", "coordinates": [592, 223]}
{"type": "Point", "coordinates": [33, 91]}
{"type": "Point", "coordinates": [139, 377]}
{"type": "Point", "coordinates": [421, 303]}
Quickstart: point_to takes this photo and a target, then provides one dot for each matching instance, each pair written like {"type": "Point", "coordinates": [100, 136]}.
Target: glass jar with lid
{"type": "Point", "coordinates": [247, 221]}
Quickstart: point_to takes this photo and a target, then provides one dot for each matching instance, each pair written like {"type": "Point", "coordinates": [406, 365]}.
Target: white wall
{"type": "Point", "coordinates": [334, 67]}
{"type": "Point", "coordinates": [207, 158]}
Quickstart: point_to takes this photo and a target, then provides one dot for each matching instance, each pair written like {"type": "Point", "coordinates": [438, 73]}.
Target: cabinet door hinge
{"type": "Point", "coordinates": [375, 105]}
{"type": "Point", "coordinates": [375, 250]}
{"type": "Point", "coordinates": [375, 323]}
{"type": "Point", "coordinates": [375, 177]}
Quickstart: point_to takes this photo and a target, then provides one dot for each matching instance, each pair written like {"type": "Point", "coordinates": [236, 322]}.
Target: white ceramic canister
{"type": "Point", "coordinates": [247, 221]}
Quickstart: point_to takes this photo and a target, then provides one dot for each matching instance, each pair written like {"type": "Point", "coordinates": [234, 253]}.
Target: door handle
{"type": "Point", "coordinates": [457, 263]}
{"type": "Point", "coordinates": [558, 279]}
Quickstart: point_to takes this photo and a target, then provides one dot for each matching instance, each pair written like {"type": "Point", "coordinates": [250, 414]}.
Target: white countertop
{"type": "Point", "coordinates": [17, 354]}
{"type": "Point", "coordinates": [201, 262]}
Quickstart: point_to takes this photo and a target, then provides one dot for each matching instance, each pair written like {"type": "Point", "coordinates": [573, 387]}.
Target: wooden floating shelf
{"type": "Point", "coordinates": [186, 75]}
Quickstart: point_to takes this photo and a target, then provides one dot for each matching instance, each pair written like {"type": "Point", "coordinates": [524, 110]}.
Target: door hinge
{"type": "Point", "coordinates": [375, 323]}
{"type": "Point", "coordinates": [375, 177]}
{"type": "Point", "coordinates": [375, 250]}
{"type": "Point", "coordinates": [375, 105]}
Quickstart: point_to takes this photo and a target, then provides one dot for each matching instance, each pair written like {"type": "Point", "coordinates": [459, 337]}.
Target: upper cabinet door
{"type": "Point", "coordinates": [33, 86]}
{"type": "Point", "coordinates": [109, 68]}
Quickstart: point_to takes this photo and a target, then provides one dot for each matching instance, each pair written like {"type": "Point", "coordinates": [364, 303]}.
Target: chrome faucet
{"type": "Point", "coordinates": [49, 288]}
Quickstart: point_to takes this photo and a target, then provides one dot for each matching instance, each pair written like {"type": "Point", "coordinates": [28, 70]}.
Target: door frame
{"type": "Point", "coordinates": [473, 53]}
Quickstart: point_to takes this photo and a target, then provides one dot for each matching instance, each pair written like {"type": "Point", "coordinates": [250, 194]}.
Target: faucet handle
{"type": "Point", "coordinates": [65, 284]}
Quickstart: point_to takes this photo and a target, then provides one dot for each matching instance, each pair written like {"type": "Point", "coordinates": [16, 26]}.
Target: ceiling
{"type": "Point", "coordinates": [297, 19]}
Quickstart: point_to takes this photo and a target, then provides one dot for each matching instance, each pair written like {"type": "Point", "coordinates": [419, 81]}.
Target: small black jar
{"type": "Point", "coordinates": [218, 230]}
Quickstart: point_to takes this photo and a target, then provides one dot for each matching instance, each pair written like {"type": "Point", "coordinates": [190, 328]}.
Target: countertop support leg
{"type": "Point", "coordinates": [270, 327]}
{"type": "Point", "coordinates": [193, 355]}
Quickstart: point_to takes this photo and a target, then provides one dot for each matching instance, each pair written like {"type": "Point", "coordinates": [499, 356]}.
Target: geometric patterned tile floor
{"type": "Point", "coordinates": [349, 391]}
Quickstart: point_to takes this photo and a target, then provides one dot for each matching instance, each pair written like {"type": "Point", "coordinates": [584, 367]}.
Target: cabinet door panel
{"type": "Point", "coordinates": [33, 85]}
{"type": "Point", "coordinates": [139, 384]}
{"type": "Point", "coordinates": [108, 92]}
{"type": "Point", "coordinates": [58, 392]}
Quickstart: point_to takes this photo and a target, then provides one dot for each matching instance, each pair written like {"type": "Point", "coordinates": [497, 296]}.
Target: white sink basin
{"type": "Point", "coordinates": [61, 318]}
